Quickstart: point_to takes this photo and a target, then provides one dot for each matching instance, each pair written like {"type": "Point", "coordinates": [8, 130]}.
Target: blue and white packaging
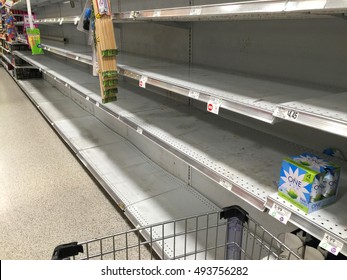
{"type": "Point", "coordinates": [308, 181]}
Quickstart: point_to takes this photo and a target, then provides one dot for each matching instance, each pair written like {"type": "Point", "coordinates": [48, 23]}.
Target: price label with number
{"type": "Point", "coordinates": [331, 244]}
{"type": "Point", "coordinates": [143, 81]}
{"type": "Point", "coordinates": [279, 213]}
{"type": "Point", "coordinates": [193, 94]}
{"type": "Point", "coordinates": [195, 11]}
{"type": "Point", "coordinates": [213, 105]}
{"type": "Point", "coordinates": [286, 114]}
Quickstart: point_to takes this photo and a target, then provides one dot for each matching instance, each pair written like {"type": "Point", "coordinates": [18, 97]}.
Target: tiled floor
{"type": "Point", "coordinates": [46, 197]}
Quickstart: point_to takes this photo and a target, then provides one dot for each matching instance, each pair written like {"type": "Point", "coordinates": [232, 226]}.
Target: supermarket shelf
{"type": "Point", "coordinates": [257, 98]}
{"type": "Point", "coordinates": [6, 67]}
{"type": "Point", "coordinates": [58, 20]}
{"type": "Point", "coordinates": [6, 50]}
{"type": "Point", "coordinates": [247, 168]}
{"type": "Point", "coordinates": [7, 59]}
{"type": "Point", "coordinates": [245, 10]}
{"type": "Point", "coordinates": [327, 113]}
{"type": "Point", "coordinates": [131, 178]}
{"type": "Point", "coordinates": [78, 53]}
{"type": "Point", "coordinates": [240, 10]}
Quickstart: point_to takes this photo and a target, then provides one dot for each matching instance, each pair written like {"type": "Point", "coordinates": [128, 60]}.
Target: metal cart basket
{"type": "Point", "coordinates": [227, 234]}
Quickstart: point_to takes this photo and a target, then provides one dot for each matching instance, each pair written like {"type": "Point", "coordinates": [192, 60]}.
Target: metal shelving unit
{"type": "Point", "coordinates": [247, 168]}
{"type": "Point", "coordinates": [239, 11]}
{"type": "Point", "coordinates": [118, 165]}
{"type": "Point", "coordinates": [254, 97]}
{"type": "Point", "coordinates": [243, 10]}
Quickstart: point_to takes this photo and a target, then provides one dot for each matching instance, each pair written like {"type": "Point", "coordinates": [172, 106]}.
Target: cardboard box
{"type": "Point", "coordinates": [308, 181]}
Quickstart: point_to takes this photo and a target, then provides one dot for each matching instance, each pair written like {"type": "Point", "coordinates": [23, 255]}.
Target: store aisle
{"type": "Point", "coordinates": [46, 197]}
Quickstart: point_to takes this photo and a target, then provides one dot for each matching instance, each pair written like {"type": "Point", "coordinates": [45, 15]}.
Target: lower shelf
{"type": "Point", "coordinates": [133, 180]}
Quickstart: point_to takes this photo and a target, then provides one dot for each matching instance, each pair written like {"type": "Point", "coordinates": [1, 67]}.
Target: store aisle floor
{"type": "Point", "coordinates": [46, 197]}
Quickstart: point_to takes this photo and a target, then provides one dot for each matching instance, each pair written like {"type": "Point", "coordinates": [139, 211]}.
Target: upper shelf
{"type": "Point", "coordinates": [254, 97]}
{"type": "Point", "coordinates": [268, 9]}
{"type": "Point", "coordinates": [240, 10]}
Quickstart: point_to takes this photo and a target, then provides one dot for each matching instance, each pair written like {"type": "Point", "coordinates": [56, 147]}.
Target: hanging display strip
{"type": "Point", "coordinates": [106, 49]}
{"type": "Point", "coordinates": [252, 187]}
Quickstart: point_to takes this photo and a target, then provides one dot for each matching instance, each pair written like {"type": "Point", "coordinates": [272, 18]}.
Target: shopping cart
{"type": "Point", "coordinates": [227, 234]}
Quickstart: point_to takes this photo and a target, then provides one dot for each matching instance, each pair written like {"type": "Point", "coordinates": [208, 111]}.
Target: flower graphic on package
{"type": "Point", "coordinates": [313, 162]}
{"type": "Point", "coordinates": [294, 185]}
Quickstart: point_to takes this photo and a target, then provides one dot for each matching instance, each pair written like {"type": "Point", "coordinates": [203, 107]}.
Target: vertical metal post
{"type": "Point", "coordinates": [235, 217]}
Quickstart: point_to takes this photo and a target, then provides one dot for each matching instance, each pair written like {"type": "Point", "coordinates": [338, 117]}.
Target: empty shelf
{"type": "Point", "coordinates": [327, 113]}
{"type": "Point", "coordinates": [130, 178]}
{"type": "Point", "coordinates": [243, 10]}
{"type": "Point", "coordinates": [269, 9]}
{"type": "Point", "coordinates": [251, 96]}
{"type": "Point", "coordinates": [245, 163]}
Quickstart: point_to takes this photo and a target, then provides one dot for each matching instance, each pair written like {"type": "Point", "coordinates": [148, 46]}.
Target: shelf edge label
{"type": "Point", "coordinates": [225, 184]}
{"type": "Point", "coordinates": [139, 130]}
{"type": "Point", "coordinates": [143, 81]}
{"type": "Point", "coordinates": [287, 114]}
{"type": "Point", "coordinates": [193, 94]}
{"type": "Point", "coordinates": [195, 11]}
{"type": "Point", "coordinates": [331, 244]}
{"type": "Point", "coordinates": [280, 214]}
{"type": "Point", "coordinates": [213, 105]}
{"type": "Point", "coordinates": [157, 13]}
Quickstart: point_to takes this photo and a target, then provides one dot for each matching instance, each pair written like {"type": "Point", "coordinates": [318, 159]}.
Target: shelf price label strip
{"type": "Point", "coordinates": [213, 105]}
{"type": "Point", "coordinates": [143, 81]}
{"type": "Point", "coordinates": [287, 114]}
{"type": "Point", "coordinates": [280, 214]}
{"type": "Point", "coordinates": [195, 11]}
{"type": "Point", "coordinates": [331, 244]}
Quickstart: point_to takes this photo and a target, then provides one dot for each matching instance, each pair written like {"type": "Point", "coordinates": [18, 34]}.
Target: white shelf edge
{"type": "Point", "coordinates": [68, 54]}
{"type": "Point", "coordinates": [239, 10]}
{"type": "Point", "coordinates": [58, 20]}
{"type": "Point", "coordinates": [324, 123]}
{"type": "Point", "coordinates": [7, 59]}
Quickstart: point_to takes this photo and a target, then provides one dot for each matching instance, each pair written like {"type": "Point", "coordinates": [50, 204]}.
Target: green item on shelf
{"type": "Point", "coordinates": [109, 99]}
{"type": "Point", "coordinates": [105, 53]}
{"type": "Point", "coordinates": [110, 83]}
{"type": "Point", "coordinates": [110, 75]}
{"type": "Point", "coordinates": [34, 40]}
{"type": "Point", "coordinates": [111, 91]}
